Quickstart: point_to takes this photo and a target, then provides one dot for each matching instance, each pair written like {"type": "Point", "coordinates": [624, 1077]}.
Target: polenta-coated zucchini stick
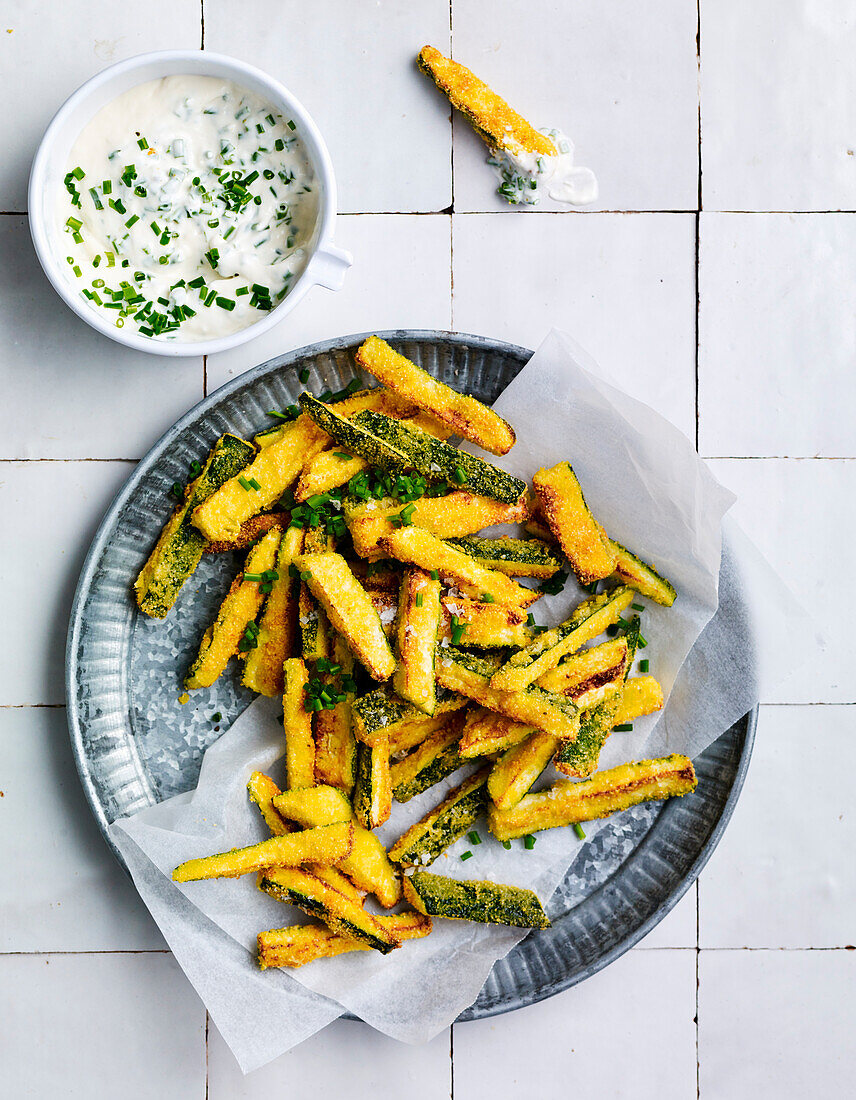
{"type": "Point", "coordinates": [180, 546]}
{"type": "Point", "coordinates": [641, 695]}
{"type": "Point", "coordinates": [581, 537]}
{"type": "Point", "coordinates": [518, 768]}
{"type": "Point", "coordinates": [335, 744]}
{"type": "Point", "coordinates": [278, 622]}
{"type": "Point", "coordinates": [416, 629]}
{"type": "Point", "coordinates": [497, 124]}
{"type": "Point", "coordinates": [428, 763]}
{"type": "Point", "coordinates": [516, 557]}
{"type": "Point", "coordinates": [468, 899]}
{"type": "Point", "coordinates": [327, 845]}
{"type": "Point", "coordinates": [483, 625]}
{"type": "Point", "coordinates": [569, 802]}
{"type": "Point", "coordinates": [242, 603]}
{"type": "Point", "coordinates": [349, 609]}
{"type": "Point", "coordinates": [372, 797]}
{"type": "Point", "coordinates": [486, 732]}
{"type": "Point", "coordinates": [297, 723]}
{"type": "Point", "coordinates": [382, 713]}
{"type": "Point", "coordinates": [304, 943]}
{"type": "Point", "coordinates": [644, 578]}
{"type": "Point", "coordinates": [251, 531]}
{"type": "Point", "coordinates": [442, 826]}
{"type": "Point", "coordinates": [465, 415]}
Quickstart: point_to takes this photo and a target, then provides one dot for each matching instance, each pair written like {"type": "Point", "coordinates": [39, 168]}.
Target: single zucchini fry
{"type": "Point", "coordinates": [274, 469]}
{"type": "Point", "coordinates": [591, 618]}
{"type": "Point", "coordinates": [367, 865]}
{"type": "Point", "coordinates": [180, 546]}
{"type": "Point", "coordinates": [250, 532]}
{"type": "Point", "coordinates": [641, 695]}
{"type": "Point", "coordinates": [443, 825]}
{"type": "Point", "coordinates": [305, 943]}
{"type": "Point", "coordinates": [381, 713]}
{"type": "Point", "coordinates": [297, 722]}
{"type": "Point", "coordinates": [349, 610]}
{"type": "Point", "coordinates": [569, 802]}
{"type": "Point", "coordinates": [579, 534]}
{"type": "Point", "coordinates": [518, 768]}
{"type": "Point", "coordinates": [412, 544]}
{"type": "Point", "coordinates": [240, 607]}
{"type": "Point", "coordinates": [516, 557]}
{"type": "Point", "coordinates": [372, 795]}
{"type": "Point", "coordinates": [494, 121]}
{"type": "Point", "coordinates": [263, 791]}
{"type": "Point", "coordinates": [335, 907]}
{"type": "Point", "coordinates": [437, 757]}
{"type": "Point", "coordinates": [579, 758]}
{"type": "Point", "coordinates": [483, 625]}
{"type": "Point", "coordinates": [438, 460]}
{"type": "Point", "coordinates": [465, 415]}
{"type": "Point", "coordinates": [335, 744]}
{"type": "Point", "coordinates": [644, 578]}
{"type": "Point", "coordinates": [278, 622]}
{"type": "Point", "coordinates": [315, 641]}
{"type": "Point", "coordinates": [470, 675]}
{"type": "Point", "coordinates": [587, 669]}
{"type": "Point", "coordinates": [327, 470]}
{"type": "Point", "coordinates": [328, 844]}
{"type": "Point", "coordinates": [353, 437]}
{"type": "Point", "coordinates": [486, 733]}
{"type": "Point", "coordinates": [482, 901]}
{"type": "Point", "coordinates": [459, 512]}
{"type": "Point", "coordinates": [416, 639]}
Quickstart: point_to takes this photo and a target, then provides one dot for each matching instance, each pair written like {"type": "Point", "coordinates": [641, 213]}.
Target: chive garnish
{"type": "Point", "coordinates": [342, 455]}
{"type": "Point", "coordinates": [507, 845]}
{"type": "Point", "coordinates": [418, 599]}
{"type": "Point", "coordinates": [435, 576]}
{"type": "Point", "coordinates": [638, 606]}
{"type": "Point", "coordinates": [252, 576]}
{"type": "Point", "coordinates": [529, 842]}
{"type": "Point", "coordinates": [474, 837]}
{"type": "Point", "coordinates": [225, 303]}
{"type": "Point", "coordinates": [291, 125]}
{"type": "Point", "coordinates": [242, 481]}
{"type": "Point", "coordinates": [466, 855]}
{"type": "Point", "coordinates": [578, 829]}
{"type": "Point", "coordinates": [460, 476]}
{"type": "Point", "coordinates": [487, 598]}
{"type": "Point", "coordinates": [134, 218]}
{"type": "Point", "coordinates": [643, 665]}
{"type": "Point", "coordinates": [625, 727]}
{"type": "Point", "coordinates": [304, 376]}
{"type": "Point", "coordinates": [643, 642]}
{"type": "Point", "coordinates": [216, 716]}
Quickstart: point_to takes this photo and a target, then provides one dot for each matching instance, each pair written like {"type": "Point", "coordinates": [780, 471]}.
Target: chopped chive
{"type": "Point", "coordinates": [625, 727]}
{"type": "Point", "coordinates": [435, 576]}
{"type": "Point", "coordinates": [529, 842]}
{"type": "Point", "coordinates": [487, 598]}
{"type": "Point", "coordinates": [418, 599]}
{"type": "Point", "coordinates": [196, 283]}
{"type": "Point", "coordinates": [342, 455]}
{"type": "Point", "coordinates": [579, 830]}
{"type": "Point", "coordinates": [241, 291]}
{"type": "Point", "coordinates": [77, 172]}
{"type": "Point", "coordinates": [279, 145]}
{"type": "Point", "coordinates": [466, 855]}
{"type": "Point", "coordinates": [530, 619]}
{"type": "Point", "coordinates": [216, 716]}
{"type": "Point", "coordinates": [638, 606]}
{"type": "Point", "coordinates": [225, 303]}
{"type": "Point", "coordinates": [242, 481]}
{"type": "Point", "coordinates": [304, 376]}
{"type": "Point", "coordinates": [77, 271]}
{"type": "Point", "coordinates": [474, 837]}
{"type": "Point", "coordinates": [74, 224]}
{"type": "Point", "coordinates": [507, 845]}
{"type": "Point", "coordinates": [210, 298]}
{"type": "Point", "coordinates": [459, 474]}
{"type": "Point", "coordinates": [254, 484]}
{"type": "Point", "coordinates": [134, 218]}
{"type": "Point", "coordinates": [291, 124]}
{"type": "Point", "coordinates": [612, 629]}
{"type": "Point", "coordinates": [252, 576]}
{"type": "Point", "coordinates": [177, 490]}
{"type": "Point", "coordinates": [643, 665]}
{"type": "Point", "coordinates": [143, 144]}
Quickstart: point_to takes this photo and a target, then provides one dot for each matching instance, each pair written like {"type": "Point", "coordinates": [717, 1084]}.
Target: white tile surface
{"type": "Point", "coordinates": [50, 49]}
{"type": "Point", "coordinates": [69, 392]}
{"type": "Point", "coordinates": [606, 1037]}
{"type": "Point", "coordinates": [96, 1027]}
{"type": "Point", "coordinates": [800, 513]}
{"type": "Point", "coordinates": [773, 287]}
{"type": "Point", "coordinates": [345, 1059]}
{"type": "Point", "coordinates": [400, 279]}
{"type": "Point", "coordinates": [778, 92]}
{"type": "Point", "coordinates": [785, 879]}
{"type": "Point", "coordinates": [50, 511]}
{"type": "Point", "coordinates": [776, 1024]}
{"type": "Point", "coordinates": [354, 69]}
{"type": "Point", "coordinates": [622, 285]}
{"type": "Point", "coordinates": [619, 79]}
{"type": "Point", "coordinates": [678, 929]}
{"type": "Point", "coordinates": [62, 890]}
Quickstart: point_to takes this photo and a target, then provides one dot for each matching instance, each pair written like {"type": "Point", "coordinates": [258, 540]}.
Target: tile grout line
{"type": "Point", "coordinates": [207, 1023]}
{"type": "Point", "coordinates": [700, 203]}
{"type": "Point", "coordinates": [202, 47]}
{"type": "Point", "coordinates": [697, 979]}
{"type": "Point", "coordinates": [452, 1061]}
{"type": "Point", "coordinates": [698, 950]}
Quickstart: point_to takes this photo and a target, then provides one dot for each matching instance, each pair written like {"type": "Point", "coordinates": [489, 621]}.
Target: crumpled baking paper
{"type": "Point", "coordinates": [646, 484]}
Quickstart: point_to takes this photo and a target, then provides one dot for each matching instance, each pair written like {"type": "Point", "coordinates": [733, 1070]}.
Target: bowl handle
{"type": "Point", "coordinates": [329, 266]}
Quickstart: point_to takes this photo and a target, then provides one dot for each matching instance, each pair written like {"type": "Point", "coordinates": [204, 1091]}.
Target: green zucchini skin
{"type": "Point", "coordinates": [533, 557]}
{"type": "Point", "coordinates": [445, 824]}
{"type": "Point", "coordinates": [382, 712]}
{"type": "Point", "coordinates": [436, 767]}
{"type": "Point", "coordinates": [371, 794]}
{"type": "Point", "coordinates": [180, 546]}
{"type": "Point", "coordinates": [353, 437]}
{"type": "Point", "coordinates": [644, 578]}
{"type": "Point", "coordinates": [474, 900]}
{"type": "Point", "coordinates": [438, 460]}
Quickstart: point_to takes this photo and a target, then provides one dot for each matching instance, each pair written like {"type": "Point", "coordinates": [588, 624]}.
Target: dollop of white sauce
{"type": "Point", "coordinates": [189, 209]}
{"type": "Point", "coordinates": [524, 177]}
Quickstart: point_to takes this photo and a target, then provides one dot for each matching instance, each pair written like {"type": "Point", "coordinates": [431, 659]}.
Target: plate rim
{"type": "Point", "coordinates": [283, 361]}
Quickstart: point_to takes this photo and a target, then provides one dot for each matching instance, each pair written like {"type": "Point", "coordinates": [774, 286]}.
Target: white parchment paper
{"type": "Point", "coordinates": [648, 487]}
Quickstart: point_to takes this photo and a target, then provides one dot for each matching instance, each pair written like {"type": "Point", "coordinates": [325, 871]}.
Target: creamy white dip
{"type": "Point", "coordinates": [526, 177]}
{"type": "Point", "coordinates": [189, 208]}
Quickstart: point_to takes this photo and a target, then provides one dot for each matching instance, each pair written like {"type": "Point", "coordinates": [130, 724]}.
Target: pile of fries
{"type": "Point", "coordinates": [403, 647]}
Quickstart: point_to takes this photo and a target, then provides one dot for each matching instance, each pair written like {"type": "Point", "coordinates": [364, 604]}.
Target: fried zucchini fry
{"type": "Point", "coordinates": [250, 532]}
{"type": "Point", "coordinates": [581, 537]}
{"type": "Point", "coordinates": [591, 618]}
{"type": "Point", "coordinates": [328, 844]}
{"type": "Point", "coordinates": [442, 826]}
{"type": "Point", "coordinates": [305, 943]}
{"type": "Point", "coordinates": [297, 723]}
{"type": "Point", "coordinates": [590, 668]}
{"type": "Point", "coordinates": [416, 639]}
{"type": "Point", "coordinates": [372, 795]}
{"type": "Point", "coordinates": [262, 791]}
{"type": "Point", "coordinates": [278, 622]}
{"type": "Point", "coordinates": [381, 713]}
{"type": "Point", "coordinates": [459, 512]}
{"type": "Point", "coordinates": [437, 757]}
{"type": "Point", "coordinates": [274, 470]}
{"type": "Point", "coordinates": [412, 544]}
{"type": "Point", "coordinates": [516, 557]}
{"type": "Point", "coordinates": [180, 546]}
{"type": "Point", "coordinates": [367, 865]}
{"type": "Point", "coordinates": [470, 899]}
{"type": "Point", "coordinates": [570, 802]}
{"type": "Point", "coordinates": [465, 415]}
{"type": "Point", "coordinates": [486, 732]}
{"type": "Point", "coordinates": [641, 695]}
{"type": "Point", "coordinates": [335, 744]}
{"type": "Point", "coordinates": [353, 437]}
{"type": "Point", "coordinates": [494, 121]}
{"type": "Point", "coordinates": [240, 607]}
{"type": "Point", "coordinates": [349, 610]}
{"type": "Point", "coordinates": [518, 768]}
{"type": "Point", "coordinates": [469, 675]}
{"type": "Point", "coordinates": [314, 629]}
{"type": "Point", "coordinates": [337, 908]}
{"type": "Point", "coordinates": [327, 470]}
{"type": "Point", "coordinates": [483, 625]}
{"type": "Point", "coordinates": [644, 578]}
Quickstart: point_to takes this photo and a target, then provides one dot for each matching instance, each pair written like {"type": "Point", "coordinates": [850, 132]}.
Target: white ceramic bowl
{"type": "Point", "coordinates": [326, 266]}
